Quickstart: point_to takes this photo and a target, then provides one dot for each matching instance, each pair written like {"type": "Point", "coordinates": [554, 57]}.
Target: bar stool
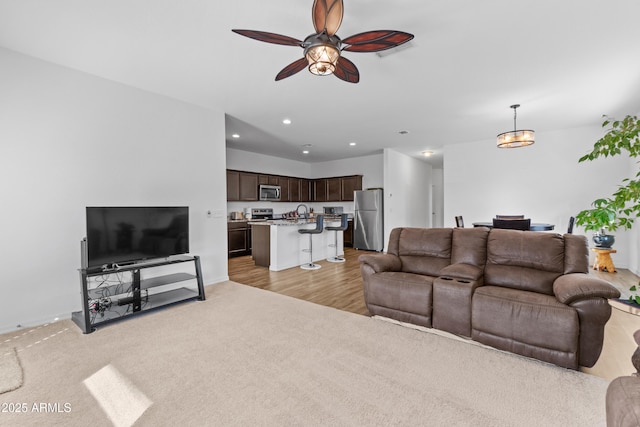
{"type": "Point", "coordinates": [311, 231]}
{"type": "Point", "coordinates": [344, 223]}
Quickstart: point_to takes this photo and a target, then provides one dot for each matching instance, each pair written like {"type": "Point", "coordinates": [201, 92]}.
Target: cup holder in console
{"type": "Point", "coordinates": [451, 279]}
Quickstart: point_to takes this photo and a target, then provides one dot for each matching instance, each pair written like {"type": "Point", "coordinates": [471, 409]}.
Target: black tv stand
{"type": "Point", "coordinates": [115, 298]}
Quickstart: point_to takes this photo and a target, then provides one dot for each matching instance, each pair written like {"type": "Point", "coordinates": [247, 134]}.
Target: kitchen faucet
{"type": "Point", "coordinates": [306, 210]}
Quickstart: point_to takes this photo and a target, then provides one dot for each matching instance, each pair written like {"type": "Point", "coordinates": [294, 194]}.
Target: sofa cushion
{"type": "Point", "coordinates": [524, 260]}
{"type": "Point", "coordinates": [526, 323]}
{"type": "Point", "coordinates": [406, 292]}
{"type": "Point", "coordinates": [576, 254]}
{"type": "Point", "coordinates": [469, 246]}
{"type": "Point", "coordinates": [424, 250]}
{"type": "Point", "coordinates": [623, 395]}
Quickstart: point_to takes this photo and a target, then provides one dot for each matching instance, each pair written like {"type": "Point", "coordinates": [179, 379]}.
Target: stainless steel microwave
{"type": "Point", "coordinates": [270, 192]}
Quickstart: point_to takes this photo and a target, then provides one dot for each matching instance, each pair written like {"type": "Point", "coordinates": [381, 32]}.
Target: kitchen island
{"type": "Point", "coordinates": [276, 244]}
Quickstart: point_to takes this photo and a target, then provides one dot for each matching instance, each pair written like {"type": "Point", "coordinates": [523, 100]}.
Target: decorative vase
{"type": "Point", "coordinates": [604, 241]}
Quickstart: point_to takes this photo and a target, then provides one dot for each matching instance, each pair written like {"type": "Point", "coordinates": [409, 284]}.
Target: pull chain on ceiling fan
{"type": "Point", "coordinates": [322, 50]}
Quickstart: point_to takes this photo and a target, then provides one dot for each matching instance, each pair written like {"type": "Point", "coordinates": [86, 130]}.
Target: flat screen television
{"type": "Point", "coordinates": [125, 235]}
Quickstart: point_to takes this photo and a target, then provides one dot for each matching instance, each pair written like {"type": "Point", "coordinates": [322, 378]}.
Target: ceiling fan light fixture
{"type": "Point", "coordinates": [322, 49]}
{"type": "Point", "coordinates": [322, 59]}
{"type": "Point", "coordinates": [516, 138]}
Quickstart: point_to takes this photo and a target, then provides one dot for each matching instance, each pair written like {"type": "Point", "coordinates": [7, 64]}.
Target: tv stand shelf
{"type": "Point", "coordinates": [107, 302]}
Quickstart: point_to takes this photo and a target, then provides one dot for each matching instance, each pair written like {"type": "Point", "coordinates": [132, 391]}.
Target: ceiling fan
{"type": "Point", "coordinates": [322, 49]}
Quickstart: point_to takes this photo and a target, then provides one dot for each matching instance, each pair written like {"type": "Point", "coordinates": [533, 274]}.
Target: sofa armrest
{"type": "Point", "coordinates": [572, 287]}
{"type": "Point", "coordinates": [623, 395]}
{"type": "Point", "coordinates": [381, 262]}
{"type": "Point", "coordinates": [462, 271]}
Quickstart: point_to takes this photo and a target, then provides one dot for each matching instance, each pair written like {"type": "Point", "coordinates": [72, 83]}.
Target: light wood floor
{"type": "Point", "coordinates": [340, 286]}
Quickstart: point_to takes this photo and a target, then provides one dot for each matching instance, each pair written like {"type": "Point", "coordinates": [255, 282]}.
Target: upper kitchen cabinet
{"type": "Point", "coordinates": [334, 189]}
{"type": "Point", "coordinates": [349, 185]}
{"type": "Point", "coordinates": [248, 186]}
{"type": "Point", "coordinates": [337, 189]}
{"type": "Point", "coordinates": [305, 190]}
{"type": "Point", "coordinates": [319, 190]}
{"type": "Point", "coordinates": [233, 185]}
{"type": "Point", "coordinates": [285, 189]}
{"type": "Point", "coordinates": [244, 186]}
{"type": "Point", "coordinates": [294, 189]}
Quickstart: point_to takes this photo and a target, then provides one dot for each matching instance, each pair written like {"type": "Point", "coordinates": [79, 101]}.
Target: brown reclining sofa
{"type": "Point", "coordinates": [520, 291]}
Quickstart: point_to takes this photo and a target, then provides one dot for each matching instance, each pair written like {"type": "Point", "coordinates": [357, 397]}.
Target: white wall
{"type": "Point", "coordinates": [71, 140]}
{"type": "Point", "coordinates": [254, 162]}
{"type": "Point", "coordinates": [407, 192]}
{"type": "Point", "coordinates": [544, 181]}
{"type": "Point", "coordinates": [370, 167]}
{"type": "Point", "coordinates": [634, 234]}
{"type": "Point", "coordinates": [437, 176]}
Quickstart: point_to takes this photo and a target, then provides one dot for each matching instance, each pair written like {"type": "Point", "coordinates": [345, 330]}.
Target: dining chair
{"type": "Point", "coordinates": [512, 224]}
{"type": "Point", "coordinates": [459, 222]}
{"type": "Point", "coordinates": [509, 216]}
{"type": "Point", "coordinates": [570, 228]}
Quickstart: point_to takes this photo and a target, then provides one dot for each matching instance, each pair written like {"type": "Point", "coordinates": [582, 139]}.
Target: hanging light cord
{"type": "Point", "coordinates": [515, 106]}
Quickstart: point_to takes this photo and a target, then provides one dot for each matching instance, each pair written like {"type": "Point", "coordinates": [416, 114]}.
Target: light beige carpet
{"type": "Point", "coordinates": [10, 370]}
{"type": "Point", "coordinates": [251, 357]}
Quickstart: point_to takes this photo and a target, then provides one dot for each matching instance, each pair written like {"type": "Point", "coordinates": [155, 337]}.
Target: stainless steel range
{"type": "Point", "coordinates": [261, 213]}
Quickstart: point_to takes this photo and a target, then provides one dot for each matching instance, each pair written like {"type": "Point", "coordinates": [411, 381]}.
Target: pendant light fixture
{"type": "Point", "coordinates": [516, 138]}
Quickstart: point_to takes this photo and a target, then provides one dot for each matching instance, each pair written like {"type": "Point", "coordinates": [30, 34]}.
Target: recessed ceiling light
{"type": "Point", "coordinates": [353, 144]}
{"type": "Point", "coordinates": [305, 152]}
{"type": "Point", "coordinates": [427, 153]}
{"type": "Point", "coordinates": [287, 121]}
{"type": "Point", "coordinates": [235, 135]}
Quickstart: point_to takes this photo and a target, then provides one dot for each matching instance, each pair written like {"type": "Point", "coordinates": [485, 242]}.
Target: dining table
{"type": "Point", "coordinates": [535, 226]}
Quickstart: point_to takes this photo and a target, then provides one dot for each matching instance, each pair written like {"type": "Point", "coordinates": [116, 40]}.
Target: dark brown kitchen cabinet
{"type": "Point", "coordinates": [261, 252]}
{"type": "Point", "coordinates": [319, 190]}
{"type": "Point", "coordinates": [349, 185]}
{"type": "Point", "coordinates": [283, 182]}
{"type": "Point", "coordinates": [294, 189]}
{"type": "Point", "coordinates": [233, 185]}
{"type": "Point", "coordinates": [239, 238]}
{"type": "Point", "coordinates": [244, 186]}
{"type": "Point", "coordinates": [248, 186]}
{"type": "Point", "coordinates": [305, 190]}
{"type": "Point", "coordinates": [334, 189]}
{"type": "Point", "coordinates": [348, 235]}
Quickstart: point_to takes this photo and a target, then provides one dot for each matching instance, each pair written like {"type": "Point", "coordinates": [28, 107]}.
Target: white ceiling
{"type": "Point", "coordinates": [566, 62]}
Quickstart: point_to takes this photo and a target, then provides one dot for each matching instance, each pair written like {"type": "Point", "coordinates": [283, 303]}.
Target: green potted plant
{"type": "Point", "coordinates": [599, 219]}
{"type": "Point", "coordinates": [623, 207]}
{"type": "Point", "coordinates": [634, 297]}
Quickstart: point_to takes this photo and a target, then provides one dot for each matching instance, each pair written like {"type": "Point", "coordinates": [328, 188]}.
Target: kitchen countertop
{"type": "Point", "coordinates": [290, 222]}
{"type": "Point", "coordinates": [284, 222]}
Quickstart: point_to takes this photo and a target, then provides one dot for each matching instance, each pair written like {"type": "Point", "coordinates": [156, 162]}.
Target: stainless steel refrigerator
{"type": "Point", "coordinates": [368, 226]}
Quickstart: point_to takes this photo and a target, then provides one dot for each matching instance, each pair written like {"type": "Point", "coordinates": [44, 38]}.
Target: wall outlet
{"type": "Point", "coordinates": [215, 213]}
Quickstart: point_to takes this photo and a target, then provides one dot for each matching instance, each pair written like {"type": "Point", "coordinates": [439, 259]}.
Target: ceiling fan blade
{"type": "Point", "coordinates": [375, 41]}
{"type": "Point", "coordinates": [269, 37]}
{"type": "Point", "coordinates": [292, 68]}
{"type": "Point", "coordinates": [347, 71]}
{"type": "Point", "coordinates": [327, 15]}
